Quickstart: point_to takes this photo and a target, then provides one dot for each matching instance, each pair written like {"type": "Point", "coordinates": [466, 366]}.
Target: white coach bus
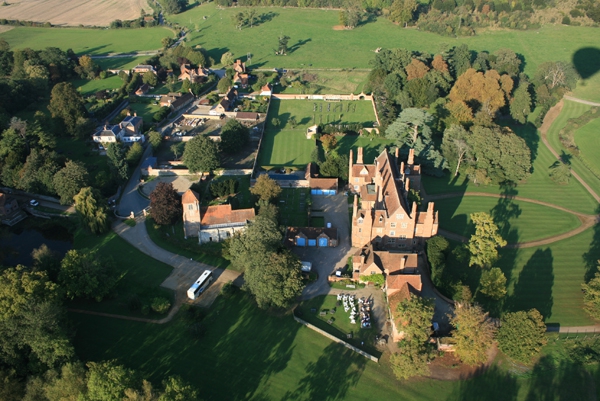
{"type": "Point", "coordinates": [200, 285]}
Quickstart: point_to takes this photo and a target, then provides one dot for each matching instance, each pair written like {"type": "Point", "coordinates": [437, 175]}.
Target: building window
{"type": "Point", "coordinates": [402, 236]}
{"type": "Point", "coordinates": [373, 272]}
{"type": "Point", "coordinates": [356, 187]}
{"type": "Point", "coordinates": [392, 225]}
{"type": "Point", "coordinates": [379, 230]}
{"type": "Point", "coordinates": [190, 207]}
{"type": "Point", "coordinates": [360, 220]}
{"type": "Point", "coordinates": [360, 230]}
{"type": "Point", "coordinates": [356, 180]}
{"type": "Point", "coordinates": [404, 225]}
{"type": "Point", "coordinates": [392, 233]}
{"type": "Point", "coordinates": [391, 240]}
{"type": "Point", "coordinates": [400, 216]}
{"type": "Point", "coordinates": [401, 245]}
{"type": "Point", "coordinates": [380, 219]}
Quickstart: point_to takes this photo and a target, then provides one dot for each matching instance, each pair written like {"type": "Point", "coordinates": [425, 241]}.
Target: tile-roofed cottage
{"type": "Point", "coordinates": [239, 66]}
{"type": "Point", "coordinates": [132, 129]}
{"type": "Point", "coordinates": [142, 68]}
{"type": "Point", "coordinates": [319, 185]}
{"type": "Point", "coordinates": [266, 90]}
{"type": "Point", "coordinates": [107, 134]}
{"type": "Point", "coordinates": [212, 223]}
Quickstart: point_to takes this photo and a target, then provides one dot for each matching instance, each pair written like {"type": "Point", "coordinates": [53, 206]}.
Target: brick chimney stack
{"type": "Point", "coordinates": [359, 158]}
{"type": "Point", "coordinates": [355, 207]}
{"type": "Point", "coordinates": [411, 157]}
{"type": "Point", "coordinates": [407, 184]}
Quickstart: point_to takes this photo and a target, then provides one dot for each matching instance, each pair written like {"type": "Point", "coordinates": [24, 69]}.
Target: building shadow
{"type": "Point", "coordinates": [488, 384]}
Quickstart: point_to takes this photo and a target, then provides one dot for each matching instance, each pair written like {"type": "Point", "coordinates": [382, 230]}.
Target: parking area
{"type": "Point", "coordinates": [181, 183]}
{"type": "Point", "coordinates": [334, 209]}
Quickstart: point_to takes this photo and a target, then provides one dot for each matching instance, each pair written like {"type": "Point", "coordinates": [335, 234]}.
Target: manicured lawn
{"type": "Point", "coordinates": [244, 354]}
{"type": "Point", "coordinates": [146, 110]}
{"type": "Point", "coordinates": [571, 110]}
{"type": "Point", "coordinates": [124, 63]}
{"type": "Point", "coordinates": [587, 139]}
{"type": "Point", "coordinates": [284, 146]}
{"type": "Point", "coordinates": [547, 278]}
{"type": "Point", "coordinates": [248, 354]}
{"type": "Point", "coordinates": [518, 221]}
{"type": "Point", "coordinates": [293, 207]}
{"type": "Point", "coordinates": [140, 275]}
{"type": "Point", "coordinates": [341, 325]}
{"type": "Point", "coordinates": [87, 87]}
{"type": "Point", "coordinates": [171, 238]}
{"type": "Point", "coordinates": [538, 185]}
{"type": "Point", "coordinates": [331, 82]}
{"type": "Point", "coordinates": [87, 41]}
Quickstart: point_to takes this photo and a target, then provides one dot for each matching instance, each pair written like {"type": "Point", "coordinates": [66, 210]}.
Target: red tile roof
{"type": "Point", "coordinates": [223, 214]}
{"type": "Point", "coordinates": [396, 281]}
{"type": "Point", "coordinates": [190, 197]}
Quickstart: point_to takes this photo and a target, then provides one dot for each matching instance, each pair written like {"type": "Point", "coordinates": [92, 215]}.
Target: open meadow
{"type": "Point", "coordinates": [74, 12]}
{"type": "Point", "coordinates": [87, 41]}
{"type": "Point", "coordinates": [315, 44]}
{"type": "Point", "coordinates": [587, 139]}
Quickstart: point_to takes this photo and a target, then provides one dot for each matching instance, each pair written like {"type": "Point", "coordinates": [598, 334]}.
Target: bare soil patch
{"type": "Point", "coordinates": [449, 367]}
{"type": "Point", "coordinates": [5, 28]}
{"type": "Point", "coordinates": [339, 27]}
{"type": "Point", "coordinates": [74, 12]}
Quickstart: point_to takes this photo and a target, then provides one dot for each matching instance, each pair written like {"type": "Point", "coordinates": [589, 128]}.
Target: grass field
{"type": "Point", "coordinates": [284, 146]}
{"type": "Point", "coordinates": [517, 221]}
{"type": "Point", "coordinates": [73, 12]}
{"type": "Point", "coordinates": [571, 110]}
{"type": "Point", "coordinates": [538, 185]}
{"type": "Point", "coordinates": [78, 150]}
{"type": "Point", "coordinates": [315, 44]}
{"type": "Point", "coordinates": [87, 87]}
{"type": "Point", "coordinates": [87, 41]}
{"type": "Point", "coordinates": [248, 354]}
{"type": "Point", "coordinates": [140, 275]}
{"type": "Point", "coordinates": [547, 278]}
{"type": "Point", "coordinates": [125, 63]}
{"type": "Point", "coordinates": [145, 110]}
{"type": "Point", "coordinates": [587, 139]}
{"type": "Point", "coordinates": [293, 207]}
{"type": "Point", "coordinates": [331, 82]}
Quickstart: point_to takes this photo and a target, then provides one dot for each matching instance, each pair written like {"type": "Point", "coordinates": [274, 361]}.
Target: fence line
{"type": "Point", "coordinates": [337, 340]}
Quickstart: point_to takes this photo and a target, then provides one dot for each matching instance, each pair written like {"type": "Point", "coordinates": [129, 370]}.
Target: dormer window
{"type": "Point", "coordinates": [380, 219]}
{"type": "Point", "coordinates": [360, 220]}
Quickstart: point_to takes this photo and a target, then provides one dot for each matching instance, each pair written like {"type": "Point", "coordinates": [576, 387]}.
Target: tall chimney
{"type": "Point", "coordinates": [355, 207]}
{"type": "Point", "coordinates": [402, 169]}
{"type": "Point", "coordinates": [402, 262]}
{"type": "Point", "coordinates": [414, 210]}
{"type": "Point", "coordinates": [407, 184]}
{"type": "Point", "coordinates": [351, 157]}
{"type": "Point", "coordinates": [359, 158]}
{"type": "Point", "coordinates": [430, 208]}
{"type": "Point", "coordinates": [411, 157]}
{"type": "Point", "coordinates": [397, 154]}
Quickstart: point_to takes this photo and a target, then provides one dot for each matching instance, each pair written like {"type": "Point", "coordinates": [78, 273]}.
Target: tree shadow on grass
{"type": "Point", "coordinates": [487, 385]}
{"type": "Point", "coordinates": [533, 288]}
{"type": "Point", "coordinates": [560, 381]}
{"type": "Point", "coordinates": [592, 256]}
{"type": "Point", "coordinates": [331, 376]}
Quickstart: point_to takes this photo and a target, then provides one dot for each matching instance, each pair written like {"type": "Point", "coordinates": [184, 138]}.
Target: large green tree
{"type": "Point", "coordinates": [201, 155]}
{"type": "Point", "coordinates": [19, 287]}
{"type": "Point", "coordinates": [411, 359]}
{"type": "Point", "coordinates": [69, 180]}
{"type": "Point", "coordinates": [67, 104]}
{"type": "Point", "coordinates": [117, 162]}
{"type": "Point", "coordinates": [522, 335]}
{"type": "Point", "coordinates": [234, 136]}
{"type": "Point", "coordinates": [415, 315]}
{"type": "Point", "coordinates": [520, 106]}
{"type": "Point", "coordinates": [591, 296]}
{"type": "Point", "coordinates": [91, 209]}
{"type": "Point", "coordinates": [484, 244]}
{"type": "Point", "coordinates": [261, 237]}
{"type": "Point", "coordinates": [410, 123]}
{"type": "Point", "coordinates": [455, 146]}
{"type": "Point", "coordinates": [473, 332]}
{"type": "Point", "coordinates": [277, 282]}
{"type": "Point", "coordinates": [85, 274]}
{"type": "Point", "coordinates": [165, 204]}
{"type": "Point", "coordinates": [493, 283]}
{"type": "Point", "coordinates": [266, 188]}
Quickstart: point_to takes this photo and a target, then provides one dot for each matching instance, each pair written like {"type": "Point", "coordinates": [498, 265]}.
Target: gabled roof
{"type": "Point", "coordinates": [396, 281]}
{"type": "Point", "coordinates": [223, 214]}
{"type": "Point", "coordinates": [107, 130]}
{"type": "Point", "coordinates": [266, 88]}
{"type": "Point", "coordinates": [190, 197]}
{"type": "Point", "coordinates": [182, 100]}
{"type": "Point", "coordinates": [244, 115]}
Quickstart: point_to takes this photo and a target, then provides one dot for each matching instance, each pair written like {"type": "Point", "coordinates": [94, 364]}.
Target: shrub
{"type": "Point", "coordinates": [160, 305]}
{"type": "Point", "coordinates": [566, 20]}
{"type": "Point", "coordinates": [228, 290]}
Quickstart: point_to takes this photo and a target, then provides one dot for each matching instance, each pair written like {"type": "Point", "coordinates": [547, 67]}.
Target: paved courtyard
{"type": "Point", "coordinates": [180, 183]}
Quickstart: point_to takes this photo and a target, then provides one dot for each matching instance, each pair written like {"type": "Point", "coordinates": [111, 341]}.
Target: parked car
{"type": "Point", "coordinates": [34, 203]}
